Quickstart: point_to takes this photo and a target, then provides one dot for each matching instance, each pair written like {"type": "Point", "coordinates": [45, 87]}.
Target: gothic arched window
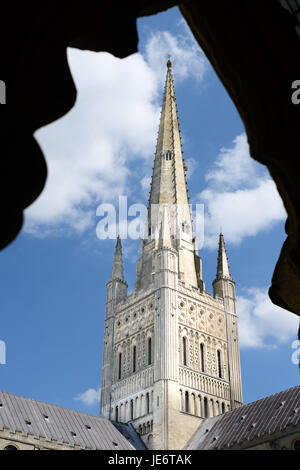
{"type": "Point", "coordinates": [134, 359]}
{"type": "Point", "coordinates": [186, 402]}
{"type": "Point", "coordinates": [148, 402]}
{"type": "Point", "coordinates": [168, 155]}
{"type": "Point", "coordinates": [117, 414]}
{"type": "Point", "coordinates": [193, 407]}
{"type": "Point", "coordinates": [205, 408]}
{"type": "Point", "coordinates": [120, 366]}
{"type": "Point", "coordinates": [149, 351]}
{"type": "Point", "coordinates": [202, 357]}
{"type": "Point", "coordinates": [184, 351]}
{"type": "Point", "coordinates": [223, 407]}
{"type": "Point", "coordinates": [131, 409]}
{"type": "Point", "coordinates": [211, 404]}
{"type": "Point", "coordinates": [219, 363]}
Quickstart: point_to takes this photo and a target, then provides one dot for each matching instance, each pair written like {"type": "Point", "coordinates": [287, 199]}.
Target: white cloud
{"type": "Point", "coordinates": [191, 164]}
{"type": "Point", "coordinates": [188, 60]}
{"type": "Point", "coordinates": [88, 150]}
{"type": "Point", "coordinates": [90, 397]}
{"type": "Point", "coordinates": [93, 150]}
{"type": "Point", "coordinates": [234, 166]}
{"type": "Point", "coordinates": [240, 197]}
{"type": "Point", "coordinates": [145, 183]}
{"type": "Point", "coordinates": [261, 323]}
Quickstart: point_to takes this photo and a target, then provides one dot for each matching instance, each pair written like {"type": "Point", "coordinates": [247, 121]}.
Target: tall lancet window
{"type": "Point", "coordinates": [134, 359]}
{"type": "Point", "coordinates": [131, 409]}
{"type": "Point", "coordinates": [120, 366]}
{"type": "Point", "coordinates": [202, 357]}
{"type": "Point", "coordinates": [149, 351]}
{"type": "Point", "coordinates": [184, 355]}
{"type": "Point", "coordinates": [205, 408]}
{"type": "Point", "coordinates": [168, 155]}
{"type": "Point", "coordinates": [186, 402]}
{"type": "Point", "coordinates": [219, 363]}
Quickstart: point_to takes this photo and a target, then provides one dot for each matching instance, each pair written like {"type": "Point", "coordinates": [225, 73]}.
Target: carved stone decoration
{"type": "Point", "coordinates": [183, 346]}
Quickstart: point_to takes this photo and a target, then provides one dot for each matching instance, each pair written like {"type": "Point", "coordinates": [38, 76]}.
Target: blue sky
{"type": "Point", "coordinates": [53, 276]}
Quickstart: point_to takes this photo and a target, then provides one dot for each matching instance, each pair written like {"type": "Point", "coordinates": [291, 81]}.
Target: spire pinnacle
{"type": "Point", "coordinates": [223, 267]}
{"type": "Point", "coordinates": [117, 270]}
{"type": "Point", "coordinates": [169, 63]}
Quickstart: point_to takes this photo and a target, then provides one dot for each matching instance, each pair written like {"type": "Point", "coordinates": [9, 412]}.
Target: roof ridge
{"type": "Point", "coordinates": [260, 418]}
{"type": "Point", "coordinates": [52, 404]}
{"type": "Point", "coordinates": [261, 399]}
{"type": "Point", "coordinates": [64, 425]}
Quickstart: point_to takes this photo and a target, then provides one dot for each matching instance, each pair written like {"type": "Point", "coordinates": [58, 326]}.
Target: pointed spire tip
{"type": "Point", "coordinates": [223, 267]}
{"type": "Point", "coordinates": [117, 270]}
{"type": "Point", "coordinates": [118, 244]}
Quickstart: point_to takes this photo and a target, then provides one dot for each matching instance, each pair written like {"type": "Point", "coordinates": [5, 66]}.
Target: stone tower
{"type": "Point", "coordinates": [171, 354]}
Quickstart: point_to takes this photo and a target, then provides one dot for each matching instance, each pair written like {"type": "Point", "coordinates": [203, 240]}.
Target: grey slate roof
{"type": "Point", "coordinates": [128, 431]}
{"type": "Point", "coordinates": [259, 419]}
{"type": "Point", "coordinates": [63, 425]}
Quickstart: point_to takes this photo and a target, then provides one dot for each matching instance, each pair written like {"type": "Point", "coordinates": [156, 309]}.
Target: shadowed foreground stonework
{"type": "Point", "coordinates": [256, 65]}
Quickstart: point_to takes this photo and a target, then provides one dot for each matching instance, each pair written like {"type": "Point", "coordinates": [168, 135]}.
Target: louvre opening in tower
{"type": "Point", "coordinates": [171, 351]}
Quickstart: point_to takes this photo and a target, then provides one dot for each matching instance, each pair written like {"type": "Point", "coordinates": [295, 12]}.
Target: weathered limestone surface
{"type": "Point", "coordinates": [171, 355]}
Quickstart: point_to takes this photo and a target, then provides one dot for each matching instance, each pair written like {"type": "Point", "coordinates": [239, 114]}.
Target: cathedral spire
{"type": "Point", "coordinates": [223, 267]}
{"type": "Point", "coordinates": [165, 237]}
{"type": "Point", "coordinates": [117, 270]}
{"type": "Point", "coordinates": [169, 215]}
{"type": "Point", "coordinates": [168, 180]}
{"type": "Point", "coordinates": [148, 352]}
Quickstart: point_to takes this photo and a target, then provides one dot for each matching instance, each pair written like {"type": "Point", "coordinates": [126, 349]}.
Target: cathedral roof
{"type": "Point", "coordinates": [69, 427]}
{"type": "Point", "coordinates": [240, 427]}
